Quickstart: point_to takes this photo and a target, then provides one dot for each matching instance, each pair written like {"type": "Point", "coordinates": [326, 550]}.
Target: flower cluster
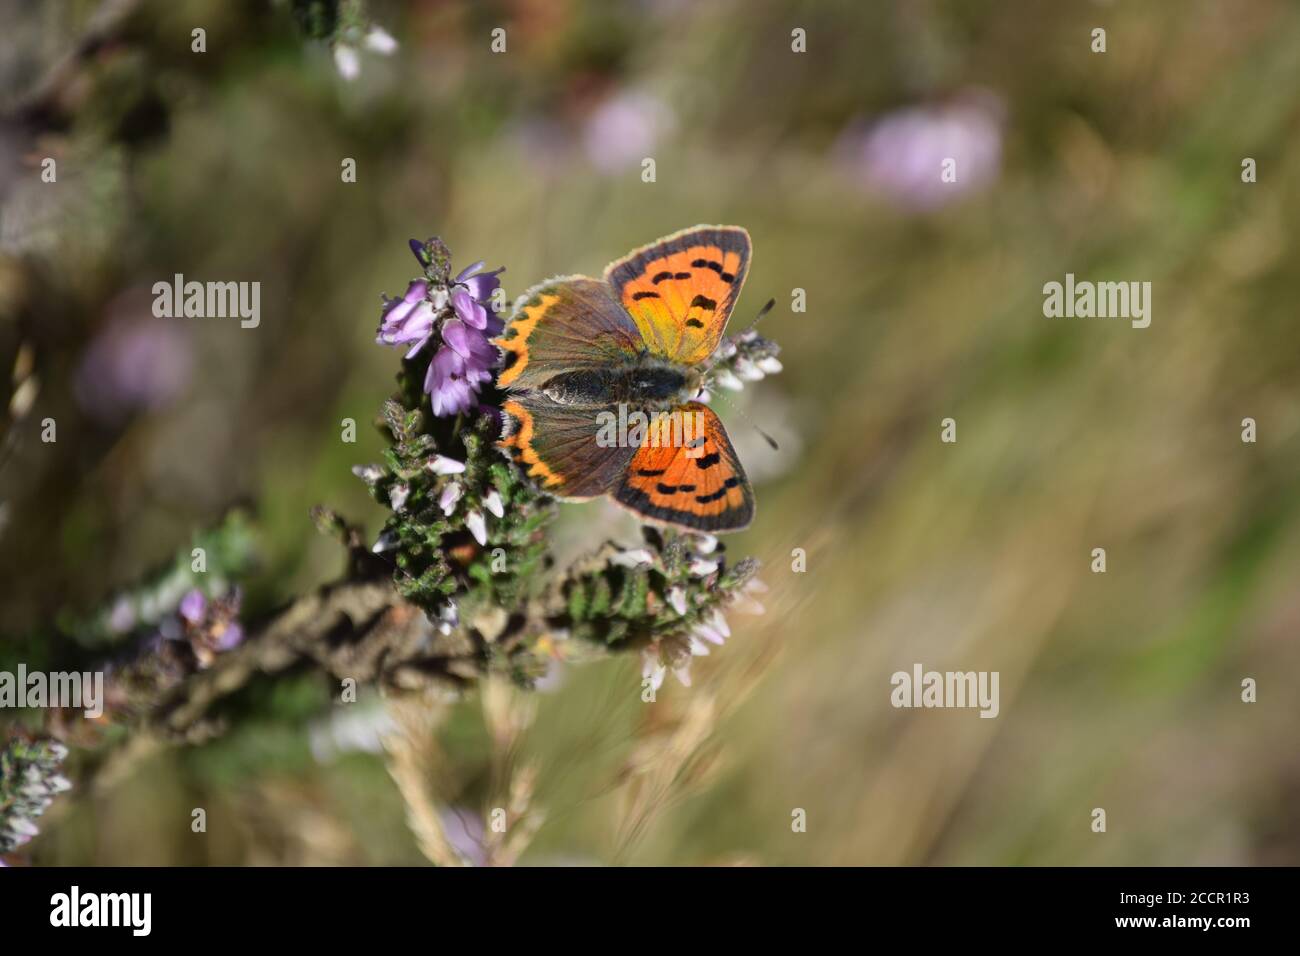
{"type": "Point", "coordinates": [666, 599]}
{"type": "Point", "coordinates": [698, 599]}
{"type": "Point", "coordinates": [465, 526]}
{"type": "Point", "coordinates": [208, 626]}
{"type": "Point", "coordinates": [455, 318]}
{"type": "Point", "coordinates": [747, 357]}
{"type": "Point", "coordinates": [29, 780]}
{"type": "Point", "coordinates": [344, 25]}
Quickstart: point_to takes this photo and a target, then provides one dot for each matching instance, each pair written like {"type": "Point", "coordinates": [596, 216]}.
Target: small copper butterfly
{"type": "Point", "coordinates": [578, 350]}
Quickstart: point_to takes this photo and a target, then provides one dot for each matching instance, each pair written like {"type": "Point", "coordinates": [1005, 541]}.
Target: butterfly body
{"type": "Point", "coordinates": [582, 353]}
{"type": "Point", "coordinates": [647, 384]}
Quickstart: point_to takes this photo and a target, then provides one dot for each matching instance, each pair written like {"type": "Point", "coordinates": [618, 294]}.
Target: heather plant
{"type": "Point", "coordinates": [457, 590]}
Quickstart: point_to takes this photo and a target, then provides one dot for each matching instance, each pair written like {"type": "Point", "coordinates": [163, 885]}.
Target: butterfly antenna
{"type": "Point", "coordinates": [735, 408]}
{"type": "Point", "coordinates": [758, 318]}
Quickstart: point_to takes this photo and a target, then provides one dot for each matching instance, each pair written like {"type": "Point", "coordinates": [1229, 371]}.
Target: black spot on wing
{"type": "Point", "coordinates": [721, 492]}
{"type": "Point", "coordinates": [726, 277]}
{"type": "Point", "coordinates": [708, 461]}
{"type": "Point", "coordinates": [672, 489]}
{"type": "Point", "coordinates": [636, 296]}
{"type": "Point", "coordinates": [661, 276]}
{"type": "Point", "coordinates": [703, 302]}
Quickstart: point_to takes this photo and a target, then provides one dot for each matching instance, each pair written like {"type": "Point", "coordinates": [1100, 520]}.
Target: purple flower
{"type": "Point", "coordinates": [466, 834]}
{"type": "Point", "coordinates": [902, 155]}
{"type": "Point", "coordinates": [451, 383]}
{"type": "Point", "coordinates": [624, 129]}
{"type": "Point", "coordinates": [209, 626]}
{"type": "Point", "coordinates": [469, 343]}
{"type": "Point", "coordinates": [481, 285]}
{"type": "Point", "coordinates": [460, 314]}
{"type": "Point", "coordinates": [193, 606]}
{"type": "Point", "coordinates": [232, 636]}
{"type": "Point", "coordinates": [409, 319]}
{"type": "Point", "coordinates": [135, 363]}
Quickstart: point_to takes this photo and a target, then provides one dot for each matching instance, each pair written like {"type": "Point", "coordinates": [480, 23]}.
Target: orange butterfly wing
{"type": "Point", "coordinates": [680, 290]}
{"type": "Point", "coordinates": [699, 485]}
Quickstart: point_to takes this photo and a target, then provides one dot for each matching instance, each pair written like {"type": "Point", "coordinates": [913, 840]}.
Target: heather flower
{"type": "Point", "coordinates": [743, 600]}
{"type": "Point", "coordinates": [397, 496]}
{"type": "Point", "coordinates": [209, 626]}
{"type": "Point", "coordinates": [718, 621]}
{"type": "Point", "coordinates": [477, 526]}
{"type": "Point", "coordinates": [442, 465]}
{"type": "Point", "coordinates": [725, 378]}
{"type": "Point", "coordinates": [409, 319]}
{"type": "Point", "coordinates": [901, 155]}
{"type": "Point", "coordinates": [632, 558]}
{"type": "Point", "coordinates": [347, 61]}
{"type": "Point", "coordinates": [347, 57]}
{"type": "Point", "coordinates": [652, 669]}
{"type": "Point", "coordinates": [29, 780]}
{"type": "Point", "coordinates": [452, 383]}
{"type": "Point", "coordinates": [457, 314]}
{"type": "Point", "coordinates": [480, 285]}
{"type": "Point", "coordinates": [624, 129]}
{"type": "Point", "coordinates": [748, 357]}
{"type": "Point", "coordinates": [193, 606]}
{"type": "Point", "coordinates": [136, 363]}
{"type": "Point", "coordinates": [702, 568]}
{"type": "Point", "coordinates": [122, 617]}
{"type": "Point", "coordinates": [450, 495]}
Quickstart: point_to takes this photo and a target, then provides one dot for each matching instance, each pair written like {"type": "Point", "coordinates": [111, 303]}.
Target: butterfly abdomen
{"type": "Point", "coordinates": [583, 387]}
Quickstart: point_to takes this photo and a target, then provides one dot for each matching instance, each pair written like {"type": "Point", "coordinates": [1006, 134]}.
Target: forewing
{"type": "Point", "coordinates": [681, 290]}
{"type": "Point", "coordinates": [564, 325]}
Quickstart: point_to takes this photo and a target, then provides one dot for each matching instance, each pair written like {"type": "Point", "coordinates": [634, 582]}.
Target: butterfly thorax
{"type": "Point", "coordinates": [645, 384]}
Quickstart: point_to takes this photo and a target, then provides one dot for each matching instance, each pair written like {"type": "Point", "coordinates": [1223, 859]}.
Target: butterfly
{"type": "Point", "coordinates": [580, 353]}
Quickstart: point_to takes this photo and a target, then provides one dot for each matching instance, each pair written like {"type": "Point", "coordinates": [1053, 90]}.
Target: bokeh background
{"type": "Point", "coordinates": [924, 301]}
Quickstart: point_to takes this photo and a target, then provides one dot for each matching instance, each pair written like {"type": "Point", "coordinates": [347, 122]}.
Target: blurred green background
{"type": "Point", "coordinates": [924, 301]}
